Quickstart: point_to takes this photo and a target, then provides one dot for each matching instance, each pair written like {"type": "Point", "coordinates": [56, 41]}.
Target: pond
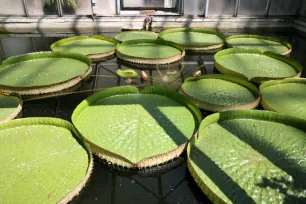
{"type": "Point", "coordinates": [169, 183]}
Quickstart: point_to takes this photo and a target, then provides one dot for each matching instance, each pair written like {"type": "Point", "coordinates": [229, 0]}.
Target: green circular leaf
{"type": "Point", "coordinates": [287, 96]}
{"type": "Point", "coordinates": [250, 157]}
{"type": "Point", "coordinates": [149, 51]}
{"type": "Point", "coordinates": [193, 38]}
{"type": "Point", "coordinates": [85, 45]}
{"type": "Point", "coordinates": [42, 160]}
{"type": "Point", "coordinates": [135, 129]}
{"type": "Point", "coordinates": [256, 66]}
{"type": "Point", "coordinates": [221, 92]}
{"type": "Point", "coordinates": [261, 43]}
{"type": "Point", "coordinates": [135, 35]}
{"type": "Point", "coordinates": [43, 72]}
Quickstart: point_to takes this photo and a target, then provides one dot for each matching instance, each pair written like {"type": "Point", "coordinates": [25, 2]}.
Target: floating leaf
{"type": "Point", "coordinates": [135, 35]}
{"type": "Point", "coordinates": [256, 66]}
{"type": "Point", "coordinates": [43, 160]}
{"type": "Point", "coordinates": [196, 39]}
{"type": "Point", "coordinates": [43, 72]}
{"type": "Point", "coordinates": [261, 43]}
{"type": "Point", "coordinates": [136, 130]}
{"type": "Point", "coordinates": [149, 51]}
{"type": "Point", "coordinates": [250, 157]}
{"type": "Point", "coordinates": [220, 92]}
{"type": "Point", "coordinates": [96, 47]}
{"type": "Point", "coordinates": [126, 73]}
{"type": "Point", "coordinates": [287, 96]}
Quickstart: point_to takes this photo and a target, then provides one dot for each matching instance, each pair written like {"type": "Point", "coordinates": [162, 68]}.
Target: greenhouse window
{"type": "Point", "coordinates": [152, 7]}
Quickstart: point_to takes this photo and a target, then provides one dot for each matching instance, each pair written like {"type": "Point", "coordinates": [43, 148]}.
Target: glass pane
{"type": "Point", "coordinates": [252, 7]}
{"type": "Point", "coordinates": [284, 7]}
{"type": "Point", "coordinates": [154, 4]}
{"type": "Point", "coordinates": [16, 46]}
{"type": "Point", "coordinates": [41, 8]}
{"type": "Point", "coordinates": [77, 7]}
{"type": "Point", "coordinates": [43, 43]}
{"type": "Point", "coordinates": [11, 8]}
{"type": "Point", "coordinates": [106, 7]}
{"type": "Point", "coordinates": [221, 7]}
{"type": "Point", "coordinates": [194, 8]}
{"type": "Point", "coordinates": [303, 10]}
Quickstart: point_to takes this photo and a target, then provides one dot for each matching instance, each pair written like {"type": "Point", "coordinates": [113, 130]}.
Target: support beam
{"type": "Point", "coordinates": [237, 8]}
{"type": "Point", "coordinates": [268, 8]}
{"type": "Point", "coordinates": [59, 8]}
{"type": "Point", "coordinates": [49, 26]}
{"type": "Point", "coordinates": [25, 8]}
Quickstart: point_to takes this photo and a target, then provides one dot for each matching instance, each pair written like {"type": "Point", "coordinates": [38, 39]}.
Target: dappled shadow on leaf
{"type": "Point", "coordinates": [289, 164]}
{"type": "Point", "coordinates": [281, 186]}
{"type": "Point", "coordinates": [217, 175]}
{"type": "Point", "coordinates": [220, 178]}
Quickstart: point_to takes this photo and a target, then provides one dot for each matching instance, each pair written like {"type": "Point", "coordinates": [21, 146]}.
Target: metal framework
{"type": "Point", "coordinates": [180, 10]}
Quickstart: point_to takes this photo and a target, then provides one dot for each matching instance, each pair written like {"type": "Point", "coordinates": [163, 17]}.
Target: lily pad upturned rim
{"type": "Point", "coordinates": [37, 90]}
{"type": "Point", "coordinates": [207, 49]}
{"type": "Point", "coordinates": [276, 82]}
{"type": "Point", "coordinates": [150, 61]}
{"type": "Point", "coordinates": [286, 44]}
{"type": "Point", "coordinates": [58, 123]}
{"type": "Point", "coordinates": [117, 37]}
{"type": "Point", "coordinates": [94, 57]}
{"type": "Point", "coordinates": [295, 64]}
{"type": "Point", "coordinates": [17, 110]}
{"type": "Point", "coordinates": [216, 108]}
{"type": "Point", "coordinates": [120, 160]}
{"type": "Point", "coordinates": [236, 114]}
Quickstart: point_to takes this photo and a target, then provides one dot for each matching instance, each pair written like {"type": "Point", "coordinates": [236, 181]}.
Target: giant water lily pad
{"type": "Point", "coordinates": [43, 72]}
{"type": "Point", "coordinates": [135, 35]}
{"type": "Point", "coordinates": [10, 107]}
{"type": "Point", "coordinates": [261, 43]}
{"type": "Point", "coordinates": [250, 157]}
{"type": "Point", "coordinates": [95, 47]}
{"type": "Point", "coordinates": [256, 66]}
{"type": "Point", "coordinates": [287, 96]}
{"type": "Point", "coordinates": [195, 39]}
{"type": "Point", "coordinates": [137, 129]}
{"type": "Point", "coordinates": [42, 160]}
{"type": "Point", "coordinates": [220, 92]}
{"type": "Point", "coordinates": [149, 51]}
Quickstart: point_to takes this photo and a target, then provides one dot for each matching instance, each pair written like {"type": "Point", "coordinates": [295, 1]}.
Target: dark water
{"type": "Point", "coordinates": [170, 183]}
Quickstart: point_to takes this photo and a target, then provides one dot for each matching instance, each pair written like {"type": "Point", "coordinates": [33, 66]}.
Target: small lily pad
{"type": "Point", "coordinates": [126, 73]}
